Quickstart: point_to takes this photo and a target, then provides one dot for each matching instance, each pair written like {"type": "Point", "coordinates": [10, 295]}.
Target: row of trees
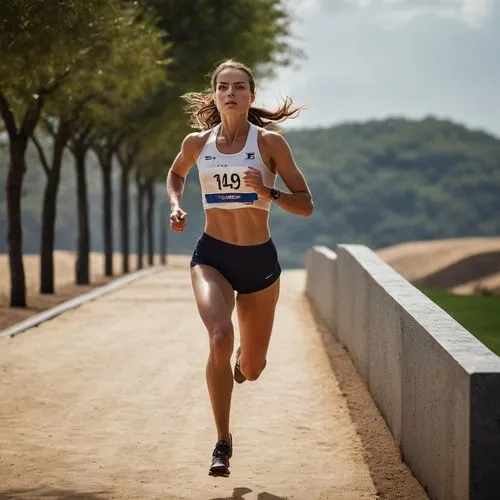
{"type": "Point", "coordinates": [107, 76]}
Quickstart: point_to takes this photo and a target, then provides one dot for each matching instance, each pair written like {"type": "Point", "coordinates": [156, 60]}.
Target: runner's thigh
{"type": "Point", "coordinates": [214, 297]}
{"type": "Point", "coordinates": [256, 317]}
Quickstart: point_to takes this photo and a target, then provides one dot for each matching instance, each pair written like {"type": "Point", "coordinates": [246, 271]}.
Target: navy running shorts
{"type": "Point", "coordinates": [248, 268]}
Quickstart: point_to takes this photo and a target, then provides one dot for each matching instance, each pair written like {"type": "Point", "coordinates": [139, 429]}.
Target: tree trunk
{"type": "Point", "coordinates": [107, 223]}
{"type": "Point", "coordinates": [15, 177]}
{"type": "Point", "coordinates": [163, 234]}
{"type": "Point", "coordinates": [124, 218]}
{"type": "Point", "coordinates": [140, 222]}
{"type": "Point", "coordinates": [18, 140]}
{"type": "Point", "coordinates": [49, 212]}
{"type": "Point", "coordinates": [105, 155]}
{"type": "Point", "coordinates": [150, 221]}
{"type": "Point", "coordinates": [48, 236]}
{"type": "Point", "coordinates": [126, 158]}
{"type": "Point", "coordinates": [82, 267]}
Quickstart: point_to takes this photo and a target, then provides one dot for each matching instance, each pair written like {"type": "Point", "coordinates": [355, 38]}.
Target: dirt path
{"type": "Point", "coordinates": [109, 401]}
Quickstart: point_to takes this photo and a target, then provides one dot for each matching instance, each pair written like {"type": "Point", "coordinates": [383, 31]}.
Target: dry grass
{"type": "Point", "coordinates": [64, 282]}
{"type": "Point", "coordinates": [425, 261]}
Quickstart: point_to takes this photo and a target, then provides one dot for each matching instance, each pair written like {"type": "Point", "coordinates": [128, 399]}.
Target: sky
{"type": "Point", "coordinates": [371, 59]}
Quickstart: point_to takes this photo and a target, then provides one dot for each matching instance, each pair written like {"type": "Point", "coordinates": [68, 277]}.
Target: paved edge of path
{"type": "Point", "coordinates": [37, 319]}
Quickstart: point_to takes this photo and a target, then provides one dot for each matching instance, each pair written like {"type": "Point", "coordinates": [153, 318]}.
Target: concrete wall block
{"type": "Point", "coordinates": [435, 414]}
{"type": "Point", "coordinates": [352, 310]}
{"type": "Point", "coordinates": [320, 283]}
{"type": "Point", "coordinates": [311, 273]}
{"type": "Point", "coordinates": [484, 436]}
{"type": "Point", "coordinates": [385, 348]}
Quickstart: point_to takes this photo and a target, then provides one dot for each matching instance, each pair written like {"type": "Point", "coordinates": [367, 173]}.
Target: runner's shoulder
{"type": "Point", "coordinates": [193, 142]}
{"type": "Point", "coordinates": [272, 140]}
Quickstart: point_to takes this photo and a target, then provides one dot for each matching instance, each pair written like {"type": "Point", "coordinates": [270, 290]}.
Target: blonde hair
{"type": "Point", "coordinates": [204, 114]}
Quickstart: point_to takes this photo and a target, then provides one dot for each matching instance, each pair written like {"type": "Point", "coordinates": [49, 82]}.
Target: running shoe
{"type": "Point", "coordinates": [220, 458]}
{"type": "Point", "coordinates": [238, 376]}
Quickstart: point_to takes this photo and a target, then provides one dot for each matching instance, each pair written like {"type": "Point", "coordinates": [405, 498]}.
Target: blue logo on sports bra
{"type": "Point", "coordinates": [250, 156]}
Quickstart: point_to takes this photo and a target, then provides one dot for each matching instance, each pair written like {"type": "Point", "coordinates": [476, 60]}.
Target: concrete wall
{"type": "Point", "coordinates": [320, 281]}
{"type": "Point", "coordinates": [437, 387]}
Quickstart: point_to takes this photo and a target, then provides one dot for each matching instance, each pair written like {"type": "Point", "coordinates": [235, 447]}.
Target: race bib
{"type": "Point", "coordinates": [225, 185]}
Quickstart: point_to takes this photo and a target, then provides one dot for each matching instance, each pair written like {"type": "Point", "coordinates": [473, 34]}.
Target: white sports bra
{"type": "Point", "coordinates": [221, 175]}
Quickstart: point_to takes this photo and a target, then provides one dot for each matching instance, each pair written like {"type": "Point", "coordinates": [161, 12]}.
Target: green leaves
{"type": "Point", "coordinates": [129, 68]}
{"type": "Point", "coordinates": [200, 34]}
{"type": "Point", "coordinates": [41, 39]}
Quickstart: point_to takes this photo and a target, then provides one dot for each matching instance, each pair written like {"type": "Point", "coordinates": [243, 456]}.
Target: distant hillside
{"type": "Point", "coordinates": [385, 182]}
{"type": "Point", "coordinates": [378, 183]}
{"type": "Point", "coordinates": [460, 265]}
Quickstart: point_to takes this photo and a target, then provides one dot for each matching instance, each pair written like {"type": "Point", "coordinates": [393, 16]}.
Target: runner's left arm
{"type": "Point", "coordinates": [299, 200]}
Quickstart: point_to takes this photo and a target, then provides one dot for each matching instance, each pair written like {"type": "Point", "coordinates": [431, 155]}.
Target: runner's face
{"type": "Point", "coordinates": [232, 91]}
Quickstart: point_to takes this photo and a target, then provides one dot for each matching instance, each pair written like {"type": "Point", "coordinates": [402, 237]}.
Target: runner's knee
{"type": "Point", "coordinates": [221, 341]}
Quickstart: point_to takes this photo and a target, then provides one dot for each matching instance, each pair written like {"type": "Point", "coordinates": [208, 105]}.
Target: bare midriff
{"type": "Point", "coordinates": [243, 226]}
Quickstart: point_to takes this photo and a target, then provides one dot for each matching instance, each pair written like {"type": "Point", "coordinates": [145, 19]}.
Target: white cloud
{"type": "Point", "coordinates": [477, 11]}
{"type": "Point", "coordinates": [303, 7]}
{"type": "Point", "coordinates": [474, 13]}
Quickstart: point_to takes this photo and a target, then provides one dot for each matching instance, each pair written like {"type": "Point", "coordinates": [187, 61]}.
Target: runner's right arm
{"type": "Point", "coordinates": [176, 179]}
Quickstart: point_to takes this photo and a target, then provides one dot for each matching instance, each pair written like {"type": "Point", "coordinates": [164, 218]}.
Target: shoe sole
{"type": "Point", "coordinates": [238, 376]}
{"type": "Point", "coordinates": [219, 472]}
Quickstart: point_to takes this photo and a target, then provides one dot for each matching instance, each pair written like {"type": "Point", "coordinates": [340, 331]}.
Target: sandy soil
{"type": "Point", "coordinates": [420, 259]}
{"type": "Point", "coordinates": [109, 401]}
{"type": "Point", "coordinates": [64, 282]}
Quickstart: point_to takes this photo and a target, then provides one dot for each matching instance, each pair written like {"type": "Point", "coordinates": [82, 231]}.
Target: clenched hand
{"type": "Point", "coordinates": [178, 219]}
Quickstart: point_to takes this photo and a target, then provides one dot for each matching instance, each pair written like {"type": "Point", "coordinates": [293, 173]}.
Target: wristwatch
{"type": "Point", "coordinates": [275, 193]}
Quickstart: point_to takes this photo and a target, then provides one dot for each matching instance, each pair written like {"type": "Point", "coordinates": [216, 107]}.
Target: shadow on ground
{"type": "Point", "coordinates": [238, 494]}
